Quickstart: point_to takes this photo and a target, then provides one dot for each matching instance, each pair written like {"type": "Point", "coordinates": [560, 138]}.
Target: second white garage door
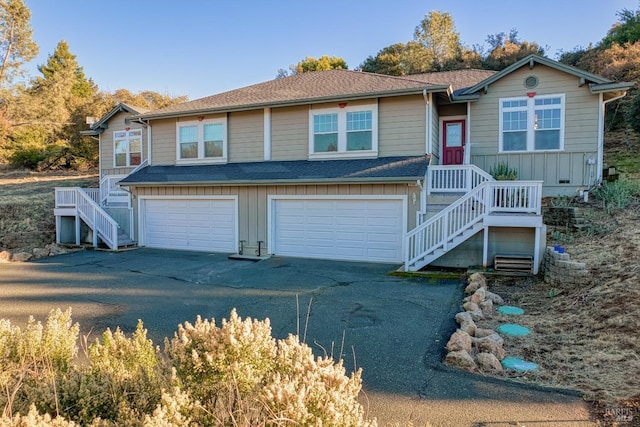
{"type": "Point", "coordinates": [342, 229]}
{"type": "Point", "coordinates": [190, 224]}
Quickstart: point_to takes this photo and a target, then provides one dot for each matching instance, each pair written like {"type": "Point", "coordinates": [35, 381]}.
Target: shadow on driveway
{"type": "Point", "coordinates": [394, 328]}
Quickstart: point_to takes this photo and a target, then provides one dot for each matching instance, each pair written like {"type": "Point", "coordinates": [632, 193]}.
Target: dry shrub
{"type": "Point", "coordinates": [235, 374]}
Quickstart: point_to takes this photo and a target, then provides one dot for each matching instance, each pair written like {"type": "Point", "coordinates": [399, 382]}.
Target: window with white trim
{"type": "Point", "coordinates": [127, 147]}
{"type": "Point", "coordinates": [202, 140]}
{"type": "Point", "coordinates": [532, 124]}
{"type": "Point", "coordinates": [344, 132]}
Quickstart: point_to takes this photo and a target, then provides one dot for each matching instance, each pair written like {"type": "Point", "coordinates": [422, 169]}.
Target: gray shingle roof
{"type": "Point", "coordinates": [383, 169]}
{"type": "Point", "coordinates": [302, 88]}
{"type": "Point", "coordinates": [458, 79]}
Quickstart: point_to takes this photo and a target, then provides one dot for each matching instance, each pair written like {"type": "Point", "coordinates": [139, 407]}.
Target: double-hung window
{"type": "Point", "coordinates": [532, 123]}
{"type": "Point", "coordinates": [127, 147]}
{"type": "Point", "coordinates": [343, 132]}
{"type": "Point", "coordinates": [202, 140]}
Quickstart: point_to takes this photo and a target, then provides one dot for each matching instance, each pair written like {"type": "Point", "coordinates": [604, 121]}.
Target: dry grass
{"type": "Point", "coordinates": [27, 202]}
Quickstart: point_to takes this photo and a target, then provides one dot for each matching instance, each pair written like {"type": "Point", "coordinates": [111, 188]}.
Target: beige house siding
{"type": "Point", "coordinates": [163, 142]}
{"type": "Point", "coordinates": [401, 126]}
{"type": "Point", "coordinates": [252, 201]}
{"type": "Point", "coordinates": [580, 133]}
{"type": "Point", "coordinates": [290, 133]}
{"type": "Point", "coordinates": [107, 160]}
{"type": "Point", "coordinates": [246, 136]}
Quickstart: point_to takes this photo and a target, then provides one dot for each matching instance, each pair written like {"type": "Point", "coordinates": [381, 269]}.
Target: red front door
{"type": "Point", "coordinates": [453, 137]}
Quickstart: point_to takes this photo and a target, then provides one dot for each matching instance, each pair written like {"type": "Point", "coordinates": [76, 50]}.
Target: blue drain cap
{"type": "Point", "coordinates": [513, 330]}
{"type": "Point", "coordinates": [518, 364]}
{"type": "Point", "coordinates": [510, 310]}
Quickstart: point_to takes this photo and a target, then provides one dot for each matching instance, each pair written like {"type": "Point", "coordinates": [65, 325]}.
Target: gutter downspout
{"type": "Point", "coordinates": [428, 101]}
{"type": "Point", "coordinates": [467, 142]}
{"type": "Point", "coordinates": [602, 107]}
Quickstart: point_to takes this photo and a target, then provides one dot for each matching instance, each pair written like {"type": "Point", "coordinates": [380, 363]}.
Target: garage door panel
{"type": "Point", "coordinates": [359, 229]}
{"type": "Point", "coordinates": [199, 224]}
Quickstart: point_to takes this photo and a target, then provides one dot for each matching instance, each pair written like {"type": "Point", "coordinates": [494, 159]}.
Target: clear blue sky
{"type": "Point", "coordinates": [203, 47]}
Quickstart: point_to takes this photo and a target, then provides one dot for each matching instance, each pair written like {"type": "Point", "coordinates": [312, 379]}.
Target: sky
{"type": "Point", "coordinates": [199, 48]}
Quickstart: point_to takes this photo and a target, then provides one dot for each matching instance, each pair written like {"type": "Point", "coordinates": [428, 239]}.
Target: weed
{"type": "Point", "coordinates": [617, 195]}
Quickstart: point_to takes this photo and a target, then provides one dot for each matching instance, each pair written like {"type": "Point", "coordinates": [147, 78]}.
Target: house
{"type": "Point", "coordinates": [349, 165]}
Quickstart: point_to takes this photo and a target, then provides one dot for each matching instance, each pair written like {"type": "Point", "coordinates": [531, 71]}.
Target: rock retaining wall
{"type": "Point", "coordinates": [558, 269]}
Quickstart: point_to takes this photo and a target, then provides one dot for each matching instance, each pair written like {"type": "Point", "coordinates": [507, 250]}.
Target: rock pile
{"type": "Point", "coordinates": [48, 250]}
{"type": "Point", "coordinates": [471, 347]}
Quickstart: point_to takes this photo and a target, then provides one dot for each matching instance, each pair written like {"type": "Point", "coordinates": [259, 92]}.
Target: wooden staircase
{"type": "Point", "coordinates": [108, 218]}
{"type": "Point", "coordinates": [484, 202]}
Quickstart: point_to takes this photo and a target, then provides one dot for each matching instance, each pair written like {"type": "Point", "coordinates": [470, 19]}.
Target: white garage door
{"type": "Point", "coordinates": [192, 224]}
{"type": "Point", "coordinates": [355, 229]}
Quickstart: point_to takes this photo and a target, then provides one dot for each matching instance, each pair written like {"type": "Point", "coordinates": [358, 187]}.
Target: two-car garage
{"type": "Point", "coordinates": [357, 228]}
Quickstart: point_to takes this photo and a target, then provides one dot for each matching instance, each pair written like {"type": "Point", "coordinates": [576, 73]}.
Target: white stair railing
{"type": "Point", "coordinates": [439, 230]}
{"type": "Point", "coordinates": [447, 228]}
{"type": "Point", "coordinates": [92, 214]}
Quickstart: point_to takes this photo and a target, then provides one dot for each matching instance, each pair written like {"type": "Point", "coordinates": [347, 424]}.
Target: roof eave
{"type": "Point", "coordinates": [249, 182]}
{"type": "Point", "coordinates": [297, 102]}
{"type": "Point", "coordinates": [596, 88]}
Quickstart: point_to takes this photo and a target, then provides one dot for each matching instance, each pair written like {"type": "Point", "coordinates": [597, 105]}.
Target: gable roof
{"type": "Point", "coordinates": [458, 79]}
{"type": "Point", "coordinates": [98, 127]}
{"type": "Point", "coordinates": [596, 83]}
{"type": "Point", "coordinates": [381, 169]}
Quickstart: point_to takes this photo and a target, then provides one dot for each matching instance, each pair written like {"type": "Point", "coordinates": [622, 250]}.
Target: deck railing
{"type": "Point", "coordinates": [455, 178]}
{"type": "Point", "coordinates": [108, 184]}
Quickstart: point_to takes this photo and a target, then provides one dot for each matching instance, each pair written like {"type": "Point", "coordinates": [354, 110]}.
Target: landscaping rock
{"type": "Point", "coordinates": [55, 250]}
{"type": "Point", "coordinates": [5, 256]}
{"type": "Point", "coordinates": [462, 317]}
{"type": "Point", "coordinates": [487, 308]}
{"type": "Point", "coordinates": [478, 278]}
{"type": "Point", "coordinates": [488, 362]}
{"type": "Point", "coordinates": [482, 332]}
{"type": "Point", "coordinates": [478, 296]}
{"type": "Point", "coordinates": [487, 345]}
{"type": "Point", "coordinates": [470, 306]}
{"type": "Point", "coordinates": [477, 315]}
{"type": "Point", "coordinates": [494, 298]}
{"type": "Point", "coordinates": [468, 327]}
{"type": "Point", "coordinates": [41, 252]}
{"type": "Point", "coordinates": [460, 340]}
{"type": "Point", "coordinates": [21, 257]}
{"type": "Point", "coordinates": [460, 359]}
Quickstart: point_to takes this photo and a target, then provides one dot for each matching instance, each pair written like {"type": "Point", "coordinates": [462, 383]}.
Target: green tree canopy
{"type": "Point", "coordinates": [626, 30]}
{"type": "Point", "coordinates": [16, 45]}
{"type": "Point", "coordinates": [310, 63]}
{"type": "Point", "coordinates": [399, 60]}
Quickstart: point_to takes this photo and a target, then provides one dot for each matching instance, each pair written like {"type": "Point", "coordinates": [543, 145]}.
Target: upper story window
{"type": "Point", "coordinates": [127, 147]}
{"type": "Point", "coordinates": [344, 132]}
{"type": "Point", "coordinates": [202, 140]}
{"type": "Point", "coordinates": [532, 124]}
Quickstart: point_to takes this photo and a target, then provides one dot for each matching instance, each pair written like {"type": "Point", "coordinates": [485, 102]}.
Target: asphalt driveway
{"type": "Point", "coordinates": [394, 328]}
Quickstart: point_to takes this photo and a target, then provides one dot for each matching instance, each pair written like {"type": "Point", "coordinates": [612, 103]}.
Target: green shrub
{"type": "Point", "coordinates": [617, 195]}
{"type": "Point", "coordinates": [503, 172]}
